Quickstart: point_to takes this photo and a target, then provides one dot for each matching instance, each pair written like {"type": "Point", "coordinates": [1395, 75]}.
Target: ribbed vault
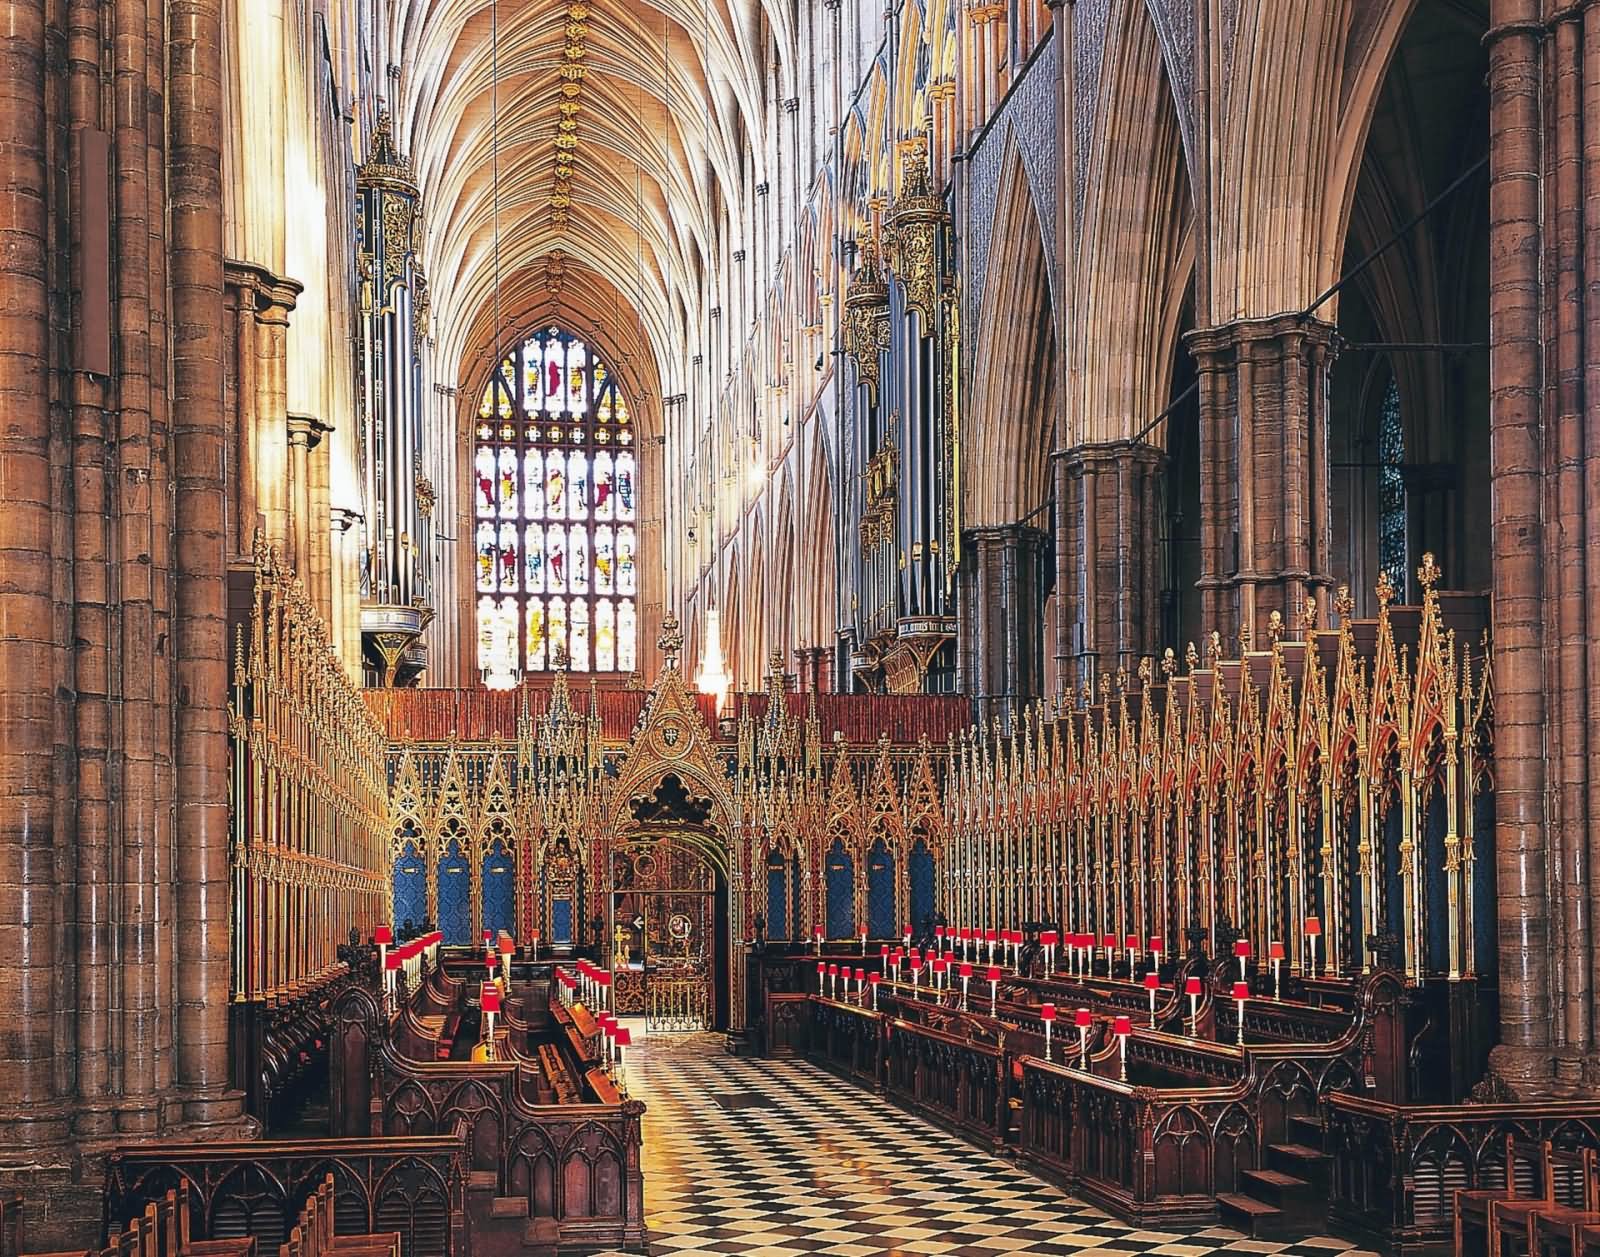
{"type": "Point", "coordinates": [671, 105]}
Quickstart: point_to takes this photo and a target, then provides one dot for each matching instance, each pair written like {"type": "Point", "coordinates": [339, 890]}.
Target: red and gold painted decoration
{"type": "Point", "coordinates": [310, 804]}
{"type": "Point", "coordinates": [1335, 781]}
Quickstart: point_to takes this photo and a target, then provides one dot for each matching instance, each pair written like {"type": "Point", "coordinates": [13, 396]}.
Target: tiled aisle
{"type": "Point", "coordinates": [802, 1163]}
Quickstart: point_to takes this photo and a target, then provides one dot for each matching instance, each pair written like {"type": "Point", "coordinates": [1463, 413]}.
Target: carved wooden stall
{"type": "Point", "coordinates": [310, 812]}
{"type": "Point", "coordinates": [566, 1173]}
{"type": "Point", "coordinates": [416, 1186]}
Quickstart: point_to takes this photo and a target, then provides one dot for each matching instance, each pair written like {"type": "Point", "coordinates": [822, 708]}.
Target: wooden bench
{"type": "Point", "coordinates": [448, 1030]}
{"type": "Point", "coordinates": [312, 1235]}
{"type": "Point", "coordinates": [554, 1070]}
{"type": "Point", "coordinates": [162, 1230]}
{"type": "Point", "coordinates": [1471, 1208]}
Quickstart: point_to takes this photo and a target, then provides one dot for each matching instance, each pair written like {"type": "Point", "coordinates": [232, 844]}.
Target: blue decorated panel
{"type": "Point", "coordinates": [777, 898]}
{"type": "Point", "coordinates": [410, 889]}
{"type": "Point", "coordinates": [455, 897]}
{"type": "Point", "coordinates": [841, 892]}
{"type": "Point", "coordinates": [499, 890]}
{"type": "Point", "coordinates": [561, 920]}
{"type": "Point", "coordinates": [880, 891]}
{"type": "Point", "coordinates": [921, 870]}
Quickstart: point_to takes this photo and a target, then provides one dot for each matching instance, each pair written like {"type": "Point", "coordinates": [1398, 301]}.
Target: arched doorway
{"type": "Point", "coordinates": [668, 911]}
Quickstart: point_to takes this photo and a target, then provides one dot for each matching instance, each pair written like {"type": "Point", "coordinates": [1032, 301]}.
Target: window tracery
{"type": "Point", "coordinates": [556, 510]}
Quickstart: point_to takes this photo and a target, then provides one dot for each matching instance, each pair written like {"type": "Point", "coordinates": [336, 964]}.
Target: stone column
{"type": "Point", "coordinates": [200, 621]}
{"type": "Point", "coordinates": [345, 586]}
{"type": "Point", "coordinates": [269, 444]}
{"type": "Point", "coordinates": [1001, 642]}
{"type": "Point", "coordinates": [1516, 459]}
{"type": "Point", "coordinates": [1109, 499]}
{"type": "Point", "coordinates": [28, 1113]}
{"type": "Point", "coordinates": [1264, 520]}
{"type": "Point", "coordinates": [302, 435]}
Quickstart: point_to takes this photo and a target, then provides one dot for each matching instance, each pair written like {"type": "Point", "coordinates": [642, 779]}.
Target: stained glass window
{"type": "Point", "coordinates": [556, 514]}
{"type": "Point", "coordinates": [1392, 491]}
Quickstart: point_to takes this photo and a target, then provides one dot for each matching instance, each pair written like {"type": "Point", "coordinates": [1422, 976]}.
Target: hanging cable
{"type": "Point", "coordinates": [494, 162]}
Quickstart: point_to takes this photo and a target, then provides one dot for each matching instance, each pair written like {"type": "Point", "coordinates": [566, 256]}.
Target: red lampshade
{"type": "Point", "coordinates": [1048, 938]}
{"type": "Point", "coordinates": [939, 966]}
{"type": "Point", "coordinates": [1151, 981]}
{"type": "Point", "coordinates": [861, 930]}
{"type": "Point", "coordinates": [1241, 990]}
{"type": "Point", "coordinates": [507, 945]}
{"type": "Point", "coordinates": [822, 967]}
{"type": "Point", "coordinates": [383, 934]}
{"type": "Point", "coordinates": [861, 975]}
{"type": "Point", "coordinates": [938, 931]}
{"type": "Point", "coordinates": [990, 936]}
{"type": "Point", "coordinates": [603, 978]}
{"type": "Point", "coordinates": [966, 971]}
{"type": "Point", "coordinates": [1155, 943]}
{"type": "Point", "coordinates": [883, 950]}
{"type": "Point", "coordinates": [624, 1037]}
{"type": "Point", "coordinates": [1191, 986]}
{"type": "Point", "coordinates": [1109, 942]}
{"type": "Point", "coordinates": [905, 929]}
{"type": "Point", "coordinates": [487, 935]}
{"type": "Point", "coordinates": [1275, 951]}
{"type": "Point", "coordinates": [1241, 948]}
{"type": "Point", "coordinates": [1047, 1012]}
{"type": "Point", "coordinates": [994, 973]}
{"type": "Point", "coordinates": [949, 957]}
{"type": "Point", "coordinates": [491, 1000]}
{"type": "Point", "coordinates": [833, 971]}
{"type": "Point", "coordinates": [1313, 925]}
{"type": "Point", "coordinates": [489, 962]}
{"type": "Point", "coordinates": [1131, 942]}
{"type": "Point", "coordinates": [533, 936]}
{"type": "Point", "coordinates": [392, 961]}
{"type": "Point", "coordinates": [1083, 1019]}
{"type": "Point", "coordinates": [1122, 1026]}
{"type": "Point", "coordinates": [818, 931]}
{"type": "Point", "coordinates": [874, 978]}
{"type": "Point", "coordinates": [966, 933]}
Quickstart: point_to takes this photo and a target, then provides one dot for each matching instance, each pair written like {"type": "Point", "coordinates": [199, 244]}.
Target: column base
{"type": "Point", "coordinates": [1519, 1073]}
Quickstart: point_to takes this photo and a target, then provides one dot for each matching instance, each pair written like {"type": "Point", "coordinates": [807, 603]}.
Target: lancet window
{"type": "Point", "coordinates": [1392, 490]}
{"type": "Point", "coordinates": [555, 488]}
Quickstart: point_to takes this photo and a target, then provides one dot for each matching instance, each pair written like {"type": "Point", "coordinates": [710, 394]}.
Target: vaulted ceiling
{"type": "Point", "coordinates": [628, 138]}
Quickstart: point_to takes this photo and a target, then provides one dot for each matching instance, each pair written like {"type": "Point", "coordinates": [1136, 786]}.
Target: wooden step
{"type": "Point", "coordinates": [1285, 1191]}
{"type": "Point", "coordinates": [508, 1207]}
{"type": "Point", "coordinates": [1301, 1160]}
{"type": "Point", "coordinates": [483, 1181]}
{"type": "Point", "coordinates": [1306, 1129]}
{"type": "Point", "coordinates": [1250, 1216]}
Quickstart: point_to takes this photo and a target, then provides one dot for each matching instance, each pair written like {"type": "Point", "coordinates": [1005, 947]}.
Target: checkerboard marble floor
{"type": "Point", "coordinates": [779, 1159]}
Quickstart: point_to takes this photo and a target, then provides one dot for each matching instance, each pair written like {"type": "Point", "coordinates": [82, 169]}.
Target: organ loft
{"type": "Point", "coordinates": [792, 627]}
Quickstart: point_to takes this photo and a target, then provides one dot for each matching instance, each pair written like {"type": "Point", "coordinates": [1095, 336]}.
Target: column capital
{"type": "Point", "coordinates": [272, 296]}
{"type": "Point", "coordinates": [306, 431]}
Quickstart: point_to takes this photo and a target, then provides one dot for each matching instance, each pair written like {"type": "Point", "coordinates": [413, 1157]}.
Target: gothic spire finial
{"type": "Point", "coordinates": [670, 641]}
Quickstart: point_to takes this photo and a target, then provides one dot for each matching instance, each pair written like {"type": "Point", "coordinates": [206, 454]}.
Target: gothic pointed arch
{"type": "Point", "coordinates": [1012, 426]}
